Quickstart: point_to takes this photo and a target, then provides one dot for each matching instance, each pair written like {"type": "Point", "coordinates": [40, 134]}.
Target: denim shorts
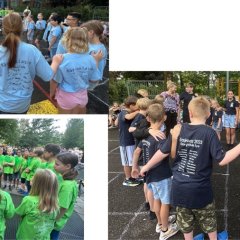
{"type": "Point", "coordinates": [229, 121]}
{"type": "Point", "coordinates": [214, 126]}
{"type": "Point", "coordinates": [161, 190]}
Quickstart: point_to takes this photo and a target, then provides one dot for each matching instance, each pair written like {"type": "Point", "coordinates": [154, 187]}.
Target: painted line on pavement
{"type": "Point", "coordinates": [113, 149]}
{"type": "Point", "coordinates": [114, 178]}
{"type": "Point", "coordinates": [226, 200]}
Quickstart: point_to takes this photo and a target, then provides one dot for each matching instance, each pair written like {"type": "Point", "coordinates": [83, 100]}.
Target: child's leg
{"type": "Point", "coordinates": [227, 135]}
{"type": "Point", "coordinates": [5, 177]}
{"type": "Point", "coordinates": [232, 135]}
{"type": "Point", "coordinates": [157, 209]}
{"type": "Point", "coordinates": [212, 235]}
{"type": "Point", "coordinates": [127, 171]}
{"type": "Point", "coordinates": [164, 214]}
{"type": "Point", "coordinates": [79, 110]}
{"type": "Point", "coordinates": [64, 111]}
{"type": "Point", "coordinates": [54, 235]}
{"type": "Point", "coordinates": [188, 236]}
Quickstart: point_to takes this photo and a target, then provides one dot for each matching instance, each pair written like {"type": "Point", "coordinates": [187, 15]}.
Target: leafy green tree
{"type": "Point", "coordinates": [9, 131]}
{"type": "Point", "coordinates": [74, 134]}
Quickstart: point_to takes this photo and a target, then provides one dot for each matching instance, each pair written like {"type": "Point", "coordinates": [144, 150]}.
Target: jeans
{"type": "Point", "coordinates": [54, 235]}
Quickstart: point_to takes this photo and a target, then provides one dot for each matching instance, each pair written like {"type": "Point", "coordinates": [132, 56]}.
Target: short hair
{"type": "Point", "coordinates": [156, 112]}
{"type": "Point", "coordinates": [142, 93]}
{"type": "Point", "coordinates": [56, 18]}
{"type": "Point", "coordinates": [158, 99]}
{"type": "Point", "coordinates": [75, 15]}
{"type": "Point", "coordinates": [189, 84]}
{"type": "Point", "coordinates": [52, 148]}
{"type": "Point", "coordinates": [200, 107]}
{"type": "Point", "coordinates": [143, 103]}
{"type": "Point", "coordinates": [131, 100]}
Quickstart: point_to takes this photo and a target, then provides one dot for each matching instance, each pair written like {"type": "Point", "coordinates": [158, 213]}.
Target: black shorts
{"type": "Point", "coordinates": [16, 175]}
{"type": "Point", "coordinates": [8, 176]}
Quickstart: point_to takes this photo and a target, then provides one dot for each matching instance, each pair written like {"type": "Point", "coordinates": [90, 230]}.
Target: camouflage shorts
{"type": "Point", "coordinates": [206, 218]}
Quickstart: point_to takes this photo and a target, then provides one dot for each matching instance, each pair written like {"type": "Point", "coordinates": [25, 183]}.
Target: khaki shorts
{"type": "Point", "coordinates": [206, 217]}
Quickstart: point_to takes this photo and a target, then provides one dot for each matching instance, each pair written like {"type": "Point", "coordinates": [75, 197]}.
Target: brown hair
{"type": "Point", "coordinates": [156, 112]}
{"type": "Point", "coordinates": [45, 186]}
{"type": "Point", "coordinates": [189, 84]}
{"type": "Point", "coordinates": [97, 28]}
{"type": "Point", "coordinates": [158, 99]}
{"type": "Point", "coordinates": [131, 100]}
{"type": "Point", "coordinates": [76, 40]}
{"type": "Point", "coordinates": [200, 107]}
{"type": "Point", "coordinates": [12, 28]}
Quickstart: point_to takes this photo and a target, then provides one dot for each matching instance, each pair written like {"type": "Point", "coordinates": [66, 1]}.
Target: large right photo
{"type": "Point", "coordinates": [173, 155]}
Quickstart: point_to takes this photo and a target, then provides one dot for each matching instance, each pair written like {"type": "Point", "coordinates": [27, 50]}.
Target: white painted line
{"type": "Point", "coordinates": [226, 200]}
{"type": "Point", "coordinates": [113, 140]}
{"type": "Point", "coordinates": [116, 172]}
{"type": "Point", "coordinates": [113, 149]}
{"type": "Point", "coordinates": [114, 178]}
{"type": "Point", "coordinates": [222, 174]}
{"type": "Point", "coordinates": [131, 221]}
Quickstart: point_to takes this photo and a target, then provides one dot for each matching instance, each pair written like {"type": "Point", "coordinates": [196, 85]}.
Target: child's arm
{"type": "Point", "coordinates": [135, 170]}
{"type": "Point", "coordinates": [175, 133]}
{"type": "Point", "coordinates": [56, 61]}
{"type": "Point", "coordinates": [51, 43]}
{"type": "Point", "coordinates": [230, 155]}
{"type": "Point", "coordinates": [130, 116]}
{"type": "Point", "coordinates": [219, 122]}
{"type": "Point", "coordinates": [157, 157]}
{"type": "Point", "coordinates": [132, 129]}
{"type": "Point", "coordinates": [97, 56]}
{"type": "Point", "coordinates": [61, 213]}
{"type": "Point", "coordinates": [53, 87]}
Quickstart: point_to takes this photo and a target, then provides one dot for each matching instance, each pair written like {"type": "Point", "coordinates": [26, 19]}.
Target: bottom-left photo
{"type": "Point", "coordinates": [42, 178]}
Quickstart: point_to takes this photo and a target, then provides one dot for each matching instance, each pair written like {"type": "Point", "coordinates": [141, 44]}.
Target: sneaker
{"type": "Point", "coordinates": [146, 206]}
{"type": "Point", "coordinates": [158, 228]}
{"type": "Point", "coordinates": [140, 179]}
{"type": "Point", "coordinates": [222, 235]}
{"type": "Point", "coordinates": [172, 219]}
{"type": "Point", "coordinates": [172, 230]}
{"type": "Point", "coordinates": [199, 237]}
{"type": "Point", "coordinates": [152, 215]}
{"type": "Point", "coordinates": [131, 182]}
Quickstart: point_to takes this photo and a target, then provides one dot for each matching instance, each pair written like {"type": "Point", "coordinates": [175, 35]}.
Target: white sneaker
{"type": "Point", "coordinates": [172, 230]}
{"type": "Point", "coordinates": [172, 219]}
{"type": "Point", "coordinates": [158, 228]}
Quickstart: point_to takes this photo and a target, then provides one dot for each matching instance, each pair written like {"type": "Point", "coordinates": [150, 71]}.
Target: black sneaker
{"type": "Point", "coordinates": [152, 215]}
{"type": "Point", "coordinates": [131, 182]}
{"type": "Point", "coordinates": [147, 206]}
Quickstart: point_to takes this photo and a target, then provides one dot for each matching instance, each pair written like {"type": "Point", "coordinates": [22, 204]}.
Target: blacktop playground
{"type": "Point", "coordinates": [127, 219]}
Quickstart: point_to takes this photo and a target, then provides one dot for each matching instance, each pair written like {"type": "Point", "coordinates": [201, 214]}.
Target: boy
{"type": "Point", "coordinates": [158, 179]}
{"type": "Point", "coordinates": [127, 144]}
{"type": "Point", "coordinates": [16, 169]}
{"type": "Point", "coordinates": [197, 147]}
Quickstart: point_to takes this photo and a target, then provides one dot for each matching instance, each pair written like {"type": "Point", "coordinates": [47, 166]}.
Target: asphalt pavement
{"type": "Point", "coordinates": [129, 221]}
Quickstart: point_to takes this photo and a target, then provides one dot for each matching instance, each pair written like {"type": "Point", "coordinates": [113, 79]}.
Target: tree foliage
{"type": "Point", "coordinates": [8, 131]}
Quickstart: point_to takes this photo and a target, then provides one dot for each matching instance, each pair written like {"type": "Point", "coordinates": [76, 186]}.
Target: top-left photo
{"type": "Point", "coordinates": [54, 56]}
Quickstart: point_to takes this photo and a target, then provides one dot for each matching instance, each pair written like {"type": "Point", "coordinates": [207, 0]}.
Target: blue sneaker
{"type": "Point", "coordinates": [199, 237]}
{"type": "Point", "coordinates": [222, 235]}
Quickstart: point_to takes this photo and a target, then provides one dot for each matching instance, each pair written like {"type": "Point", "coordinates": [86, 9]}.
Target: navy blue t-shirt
{"type": "Point", "coordinates": [231, 107]}
{"type": "Point", "coordinates": [137, 119]}
{"type": "Point", "coordinates": [186, 98]}
{"type": "Point", "coordinates": [216, 115]}
{"type": "Point", "coordinates": [125, 137]}
{"type": "Point", "coordinates": [162, 170]}
{"type": "Point", "coordinates": [198, 146]}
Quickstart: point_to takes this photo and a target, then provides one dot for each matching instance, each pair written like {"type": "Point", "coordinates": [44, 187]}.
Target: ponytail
{"type": "Point", "coordinates": [103, 39]}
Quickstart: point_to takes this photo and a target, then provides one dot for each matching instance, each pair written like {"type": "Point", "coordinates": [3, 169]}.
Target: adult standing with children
{"type": "Point", "coordinates": [171, 106]}
{"type": "Point", "coordinates": [20, 63]}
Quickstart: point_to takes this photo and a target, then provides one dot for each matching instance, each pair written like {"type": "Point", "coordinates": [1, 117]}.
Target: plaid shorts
{"type": "Point", "coordinates": [206, 217]}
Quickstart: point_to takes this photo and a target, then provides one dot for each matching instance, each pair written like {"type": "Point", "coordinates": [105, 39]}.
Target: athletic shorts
{"type": "Point", "coordinates": [7, 176]}
{"type": "Point", "coordinates": [161, 190]}
{"type": "Point", "coordinates": [229, 121]}
{"type": "Point", "coordinates": [126, 153]}
{"type": "Point", "coordinates": [206, 218]}
{"type": "Point", "coordinates": [16, 175]}
{"type": "Point", "coordinates": [69, 101]}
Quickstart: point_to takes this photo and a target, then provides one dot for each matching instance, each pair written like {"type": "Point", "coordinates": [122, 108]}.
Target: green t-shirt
{"type": "Point", "coordinates": [1, 160]}
{"type": "Point", "coordinates": [23, 167]}
{"type": "Point", "coordinates": [32, 164]}
{"type": "Point", "coordinates": [7, 210]}
{"type": "Point", "coordinates": [35, 224]}
{"type": "Point", "coordinates": [18, 164]}
{"type": "Point", "coordinates": [8, 169]}
{"type": "Point", "coordinates": [67, 196]}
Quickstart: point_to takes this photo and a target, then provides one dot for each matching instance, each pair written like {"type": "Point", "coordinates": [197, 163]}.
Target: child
{"type": "Point", "coordinates": [158, 179]}
{"type": "Point", "coordinates": [7, 210]}
{"type": "Point", "coordinates": [113, 113]}
{"type": "Point", "coordinates": [68, 190]}
{"type": "Point", "coordinates": [1, 165]}
{"type": "Point", "coordinates": [217, 118]}
{"type": "Point", "coordinates": [8, 165]}
{"type": "Point", "coordinates": [16, 169]}
{"type": "Point", "coordinates": [39, 209]}
{"type": "Point", "coordinates": [197, 147]}
{"type": "Point", "coordinates": [40, 27]}
{"type": "Point", "coordinates": [77, 69]}
{"type": "Point", "coordinates": [127, 144]}
{"type": "Point", "coordinates": [30, 29]}
{"type": "Point", "coordinates": [97, 43]}
{"type": "Point", "coordinates": [230, 118]}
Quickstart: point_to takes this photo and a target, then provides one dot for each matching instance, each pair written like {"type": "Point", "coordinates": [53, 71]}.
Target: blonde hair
{"type": "Point", "coordinates": [156, 112]}
{"type": "Point", "coordinates": [170, 84]}
{"type": "Point", "coordinates": [142, 92]}
{"type": "Point", "coordinates": [143, 103]}
{"type": "Point", "coordinates": [200, 107]}
{"type": "Point", "coordinates": [158, 99]}
{"type": "Point", "coordinates": [45, 186]}
{"type": "Point", "coordinates": [75, 40]}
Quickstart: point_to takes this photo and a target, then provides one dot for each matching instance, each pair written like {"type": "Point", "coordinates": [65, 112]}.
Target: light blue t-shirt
{"type": "Point", "coordinates": [31, 26]}
{"type": "Point", "coordinates": [75, 72]}
{"type": "Point", "coordinates": [16, 84]}
{"type": "Point", "coordinates": [41, 24]}
{"type": "Point", "coordinates": [56, 32]}
{"type": "Point", "coordinates": [48, 28]}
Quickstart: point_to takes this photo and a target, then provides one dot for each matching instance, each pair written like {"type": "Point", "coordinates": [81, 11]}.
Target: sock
{"type": "Point", "coordinates": [164, 230]}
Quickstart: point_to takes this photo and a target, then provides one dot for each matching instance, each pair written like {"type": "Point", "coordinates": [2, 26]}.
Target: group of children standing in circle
{"type": "Point", "coordinates": [48, 183]}
{"type": "Point", "coordinates": [78, 66]}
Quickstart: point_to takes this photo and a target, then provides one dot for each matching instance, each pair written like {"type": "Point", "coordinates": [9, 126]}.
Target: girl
{"type": "Point", "coordinates": [230, 118]}
{"type": "Point", "coordinates": [6, 210]}
{"type": "Point", "coordinates": [171, 106]}
{"type": "Point", "coordinates": [19, 64]}
{"type": "Point", "coordinates": [97, 43]}
{"type": "Point", "coordinates": [72, 79]}
{"type": "Point", "coordinates": [30, 29]}
{"type": "Point", "coordinates": [39, 209]}
{"type": "Point", "coordinates": [217, 118]}
{"type": "Point", "coordinates": [40, 27]}
{"type": "Point", "coordinates": [65, 165]}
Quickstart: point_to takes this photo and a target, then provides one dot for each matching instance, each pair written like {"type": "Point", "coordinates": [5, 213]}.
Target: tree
{"type": "Point", "coordinates": [74, 134]}
{"type": "Point", "coordinates": [8, 131]}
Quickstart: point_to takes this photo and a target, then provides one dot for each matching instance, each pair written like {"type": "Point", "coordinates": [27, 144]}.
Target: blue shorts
{"type": "Point", "coordinates": [229, 121]}
{"type": "Point", "coordinates": [214, 126]}
{"type": "Point", "coordinates": [126, 153]}
{"type": "Point", "coordinates": [161, 190]}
